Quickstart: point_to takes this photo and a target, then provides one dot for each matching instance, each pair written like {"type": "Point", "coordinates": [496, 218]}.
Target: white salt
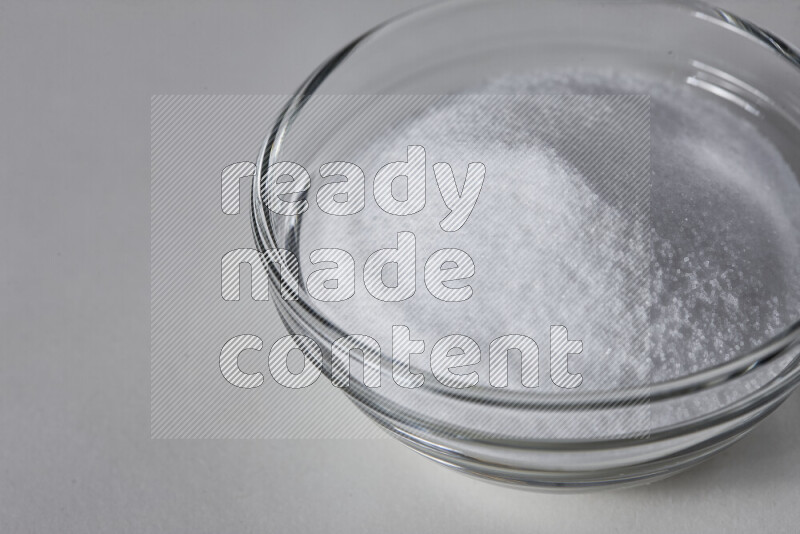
{"type": "Point", "coordinates": [550, 248]}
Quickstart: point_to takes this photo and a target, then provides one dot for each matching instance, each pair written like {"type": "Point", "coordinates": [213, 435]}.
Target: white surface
{"type": "Point", "coordinates": [75, 452]}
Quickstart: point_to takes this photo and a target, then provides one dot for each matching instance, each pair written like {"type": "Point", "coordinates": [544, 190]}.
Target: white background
{"type": "Point", "coordinates": [75, 452]}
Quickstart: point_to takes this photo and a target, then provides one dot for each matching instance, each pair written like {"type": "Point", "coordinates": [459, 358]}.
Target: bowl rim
{"type": "Point", "coordinates": [265, 239]}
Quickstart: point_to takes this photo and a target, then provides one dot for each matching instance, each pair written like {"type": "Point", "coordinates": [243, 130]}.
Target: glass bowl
{"type": "Point", "coordinates": [453, 48]}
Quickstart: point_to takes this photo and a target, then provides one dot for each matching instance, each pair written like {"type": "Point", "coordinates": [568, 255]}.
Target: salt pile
{"type": "Point", "coordinates": [721, 235]}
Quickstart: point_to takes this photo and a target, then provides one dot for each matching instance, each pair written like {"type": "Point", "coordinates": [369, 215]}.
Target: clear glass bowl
{"type": "Point", "coordinates": [443, 50]}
